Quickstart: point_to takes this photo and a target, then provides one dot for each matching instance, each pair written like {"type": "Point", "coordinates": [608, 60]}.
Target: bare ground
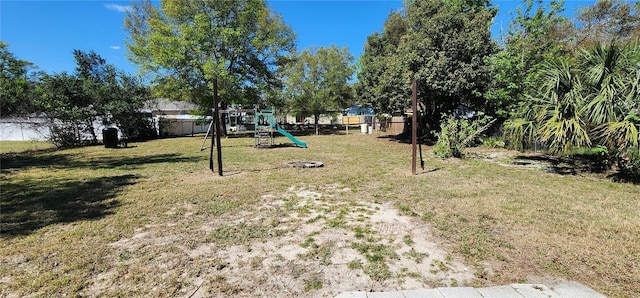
{"type": "Point", "coordinates": [318, 242]}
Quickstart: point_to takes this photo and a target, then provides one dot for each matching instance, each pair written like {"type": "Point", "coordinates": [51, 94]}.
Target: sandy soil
{"type": "Point", "coordinates": [318, 248]}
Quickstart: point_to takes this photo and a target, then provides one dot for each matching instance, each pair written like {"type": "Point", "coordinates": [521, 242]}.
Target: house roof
{"type": "Point", "coordinates": [186, 117]}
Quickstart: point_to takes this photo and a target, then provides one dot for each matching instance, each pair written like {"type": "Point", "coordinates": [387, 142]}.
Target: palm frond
{"type": "Point", "coordinates": [519, 132]}
{"type": "Point", "coordinates": [620, 135]}
{"type": "Point", "coordinates": [564, 135]}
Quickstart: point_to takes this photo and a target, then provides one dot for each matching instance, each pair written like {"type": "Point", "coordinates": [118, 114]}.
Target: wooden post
{"type": "Point", "coordinates": [414, 125]}
{"type": "Point", "coordinates": [216, 118]}
{"type": "Point", "coordinates": [212, 130]}
{"type": "Point", "coordinates": [373, 124]}
{"type": "Point", "coordinates": [211, 147]}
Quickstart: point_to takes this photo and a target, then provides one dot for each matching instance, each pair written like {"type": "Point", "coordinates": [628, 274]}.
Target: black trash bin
{"type": "Point", "coordinates": [110, 137]}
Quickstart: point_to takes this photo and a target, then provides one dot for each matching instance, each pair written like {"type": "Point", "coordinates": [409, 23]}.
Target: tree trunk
{"type": "Point", "coordinates": [315, 118]}
{"type": "Point", "coordinates": [92, 131]}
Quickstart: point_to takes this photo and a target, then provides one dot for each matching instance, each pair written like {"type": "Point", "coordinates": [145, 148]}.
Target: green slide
{"type": "Point", "coordinates": [290, 136]}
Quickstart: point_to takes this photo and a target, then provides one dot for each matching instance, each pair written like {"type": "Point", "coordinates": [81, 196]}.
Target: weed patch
{"type": "Point", "coordinates": [243, 233]}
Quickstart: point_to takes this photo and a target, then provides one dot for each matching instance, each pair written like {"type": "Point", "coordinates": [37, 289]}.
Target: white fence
{"type": "Point", "coordinates": [37, 129]}
{"type": "Point", "coordinates": [24, 129]}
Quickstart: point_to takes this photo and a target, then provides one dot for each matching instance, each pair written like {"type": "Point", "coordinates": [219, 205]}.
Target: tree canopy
{"type": "Point", "coordinates": [381, 75]}
{"type": "Point", "coordinates": [536, 34]}
{"type": "Point", "coordinates": [16, 85]}
{"type": "Point", "coordinates": [95, 92]}
{"type": "Point", "coordinates": [607, 21]}
{"type": "Point", "coordinates": [443, 45]}
{"type": "Point", "coordinates": [186, 44]}
{"type": "Point", "coordinates": [318, 81]}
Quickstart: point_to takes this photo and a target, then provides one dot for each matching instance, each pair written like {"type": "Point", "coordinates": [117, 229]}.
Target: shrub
{"type": "Point", "coordinates": [65, 135]}
{"type": "Point", "coordinates": [600, 158]}
{"type": "Point", "coordinates": [493, 142]}
{"type": "Point", "coordinates": [456, 134]}
{"type": "Point", "coordinates": [631, 164]}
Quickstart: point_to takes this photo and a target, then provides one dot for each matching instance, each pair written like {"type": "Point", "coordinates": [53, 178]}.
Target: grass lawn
{"type": "Point", "coordinates": [22, 146]}
{"type": "Point", "coordinates": [153, 220]}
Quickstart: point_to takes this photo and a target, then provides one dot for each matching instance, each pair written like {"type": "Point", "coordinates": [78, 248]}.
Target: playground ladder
{"type": "Point", "coordinates": [264, 137]}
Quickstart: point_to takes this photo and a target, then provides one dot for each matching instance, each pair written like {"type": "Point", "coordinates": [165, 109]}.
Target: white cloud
{"type": "Point", "coordinates": [115, 47]}
{"type": "Point", "coordinates": [116, 7]}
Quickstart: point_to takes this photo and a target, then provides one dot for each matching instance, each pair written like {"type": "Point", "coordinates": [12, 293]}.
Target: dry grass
{"type": "Point", "coordinates": [22, 146]}
{"type": "Point", "coordinates": [153, 220]}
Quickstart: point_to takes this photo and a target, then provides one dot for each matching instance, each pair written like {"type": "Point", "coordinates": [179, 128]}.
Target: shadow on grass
{"type": "Point", "coordinates": [575, 165]}
{"type": "Point", "coordinates": [67, 161]}
{"type": "Point", "coordinates": [564, 165]}
{"type": "Point", "coordinates": [624, 178]}
{"type": "Point", "coordinates": [29, 204]}
{"type": "Point", "coordinates": [400, 138]}
{"type": "Point", "coordinates": [427, 171]}
{"type": "Point", "coordinates": [405, 138]}
{"type": "Point", "coordinates": [280, 145]}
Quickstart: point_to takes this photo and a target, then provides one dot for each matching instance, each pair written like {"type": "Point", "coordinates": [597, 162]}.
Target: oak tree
{"type": "Point", "coordinates": [444, 45]}
{"type": "Point", "coordinates": [186, 44]}
{"type": "Point", "coordinates": [318, 81]}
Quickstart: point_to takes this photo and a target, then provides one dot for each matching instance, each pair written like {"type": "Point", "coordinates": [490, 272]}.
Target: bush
{"type": "Point", "coordinates": [443, 149]}
{"type": "Point", "coordinates": [70, 135]}
{"type": "Point", "coordinates": [631, 164]}
{"type": "Point", "coordinates": [493, 142]}
{"type": "Point", "coordinates": [456, 134]}
{"type": "Point", "coordinates": [598, 157]}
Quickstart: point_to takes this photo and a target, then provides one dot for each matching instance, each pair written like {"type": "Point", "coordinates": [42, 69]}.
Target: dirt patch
{"type": "Point", "coordinates": [304, 164]}
{"type": "Point", "coordinates": [315, 241]}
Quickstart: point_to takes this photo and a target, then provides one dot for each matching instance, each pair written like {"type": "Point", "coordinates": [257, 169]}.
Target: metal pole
{"type": "Point", "coordinates": [414, 125]}
{"type": "Point", "coordinates": [204, 142]}
{"type": "Point", "coordinates": [216, 118]}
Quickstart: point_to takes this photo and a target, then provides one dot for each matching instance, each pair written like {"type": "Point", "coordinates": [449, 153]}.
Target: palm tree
{"type": "Point", "coordinates": [595, 101]}
{"type": "Point", "coordinates": [613, 74]}
{"type": "Point", "coordinates": [554, 114]}
{"type": "Point", "coordinates": [562, 123]}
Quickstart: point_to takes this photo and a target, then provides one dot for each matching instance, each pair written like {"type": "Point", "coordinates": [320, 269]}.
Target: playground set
{"type": "Point", "coordinates": [264, 119]}
{"type": "Point", "coordinates": [265, 124]}
{"type": "Point", "coordinates": [265, 127]}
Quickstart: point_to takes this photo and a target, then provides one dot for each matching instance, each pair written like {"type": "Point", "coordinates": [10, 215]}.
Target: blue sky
{"type": "Point", "coordinates": [46, 32]}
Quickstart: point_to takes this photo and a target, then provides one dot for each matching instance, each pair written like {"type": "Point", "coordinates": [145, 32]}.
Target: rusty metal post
{"type": "Point", "coordinates": [212, 143]}
{"type": "Point", "coordinates": [414, 125]}
{"type": "Point", "coordinates": [216, 119]}
{"type": "Point", "coordinates": [212, 129]}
